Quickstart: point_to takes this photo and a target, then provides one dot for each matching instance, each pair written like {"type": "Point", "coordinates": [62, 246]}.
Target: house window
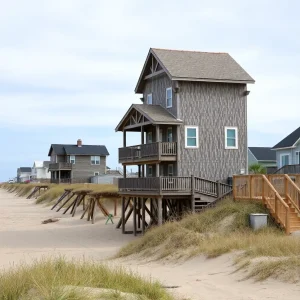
{"type": "Point", "coordinates": [72, 159]}
{"type": "Point", "coordinates": [170, 134]}
{"type": "Point", "coordinates": [297, 157]}
{"type": "Point", "coordinates": [150, 171]}
{"type": "Point", "coordinates": [191, 137]}
{"type": "Point", "coordinates": [149, 99]}
{"type": "Point", "coordinates": [169, 97]}
{"type": "Point", "coordinates": [96, 174]}
{"type": "Point", "coordinates": [150, 139]}
{"type": "Point", "coordinates": [231, 138]}
{"type": "Point", "coordinates": [284, 159]}
{"type": "Point", "coordinates": [95, 160]}
{"type": "Point", "coordinates": [170, 170]}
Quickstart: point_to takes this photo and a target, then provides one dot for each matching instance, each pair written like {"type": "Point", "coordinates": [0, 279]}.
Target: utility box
{"type": "Point", "coordinates": [258, 221]}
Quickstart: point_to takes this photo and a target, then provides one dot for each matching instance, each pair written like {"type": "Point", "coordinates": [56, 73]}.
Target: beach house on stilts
{"type": "Point", "coordinates": [193, 128]}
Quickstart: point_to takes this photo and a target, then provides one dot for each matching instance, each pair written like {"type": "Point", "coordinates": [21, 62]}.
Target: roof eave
{"type": "Point", "coordinates": [283, 148]}
{"type": "Point", "coordinates": [213, 80]}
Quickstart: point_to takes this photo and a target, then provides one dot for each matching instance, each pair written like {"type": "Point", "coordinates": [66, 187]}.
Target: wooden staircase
{"type": "Point", "coordinates": [279, 192]}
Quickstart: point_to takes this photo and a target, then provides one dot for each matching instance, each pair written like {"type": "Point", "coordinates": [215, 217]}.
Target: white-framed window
{"type": "Point", "coordinates": [191, 137]}
{"type": "Point", "coordinates": [150, 137]}
{"type": "Point", "coordinates": [170, 134]}
{"type": "Point", "coordinates": [72, 159]}
{"type": "Point", "coordinates": [284, 159]}
{"type": "Point", "coordinates": [150, 171]}
{"type": "Point", "coordinates": [169, 97]}
{"type": "Point", "coordinates": [96, 173]}
{"type": "Point", "coordinates": [149, 99]}
{"type": "Point", "coordinates": [95, 160]}
{"type": "Point", "coordinates": [170, 170]}
{"type": "Point", "coordinates": [297, 157]}
{"type": "Point", "coordinates": [231, 138]}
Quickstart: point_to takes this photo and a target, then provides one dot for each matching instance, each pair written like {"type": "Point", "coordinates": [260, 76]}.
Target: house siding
{"type": "Point", "coordinates": [251, 159]}
{"type": "Point", "coordinates": [294, 159]}
{"type": "Point", "coordinates": [157, 87]}
{"type": "Point", "coordinates": [83, 169]}
{"type": "Point", "coordinates": [212, 107]}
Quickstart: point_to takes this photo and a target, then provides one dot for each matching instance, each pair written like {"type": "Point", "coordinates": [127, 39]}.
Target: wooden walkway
{"type": "Point", "coordinates": [279, 192]}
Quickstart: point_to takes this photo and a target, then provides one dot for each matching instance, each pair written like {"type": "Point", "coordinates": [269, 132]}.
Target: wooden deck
{"type": "Point", "coordinates": [171, 186]}
{"type": "Point", "coordinates": [60, 166]}
{"type": "Point", "coordinates": [280, 194]}
{"type": "Point", "coordinates": [155, 152]}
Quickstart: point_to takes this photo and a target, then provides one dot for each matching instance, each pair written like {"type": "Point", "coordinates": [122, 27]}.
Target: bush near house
{"type": "Point", "coordinates": [257, 169]}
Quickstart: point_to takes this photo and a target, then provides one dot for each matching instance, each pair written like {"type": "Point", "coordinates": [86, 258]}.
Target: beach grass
{"type": "Point", "coordinates": [218, 231]}
{"type": "Point", "coordinates": [60, 279]}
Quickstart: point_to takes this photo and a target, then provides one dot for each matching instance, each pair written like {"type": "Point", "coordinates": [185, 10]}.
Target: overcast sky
{"type": "Point", "coordinates": [68, 68]}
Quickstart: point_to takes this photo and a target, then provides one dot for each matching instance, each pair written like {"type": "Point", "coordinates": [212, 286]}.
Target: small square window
{"type": "Point", "coordinates": [95, 160]}
{"type": "Point", "coordinates": [169, 97]}
{"type": "Point", "coordinates": [149, 99]}
{"type": "Point", "coordinates": [72, 159]}
{"type": "Point", "coordinates": [191, 137]}
{"type": "Point", "coordinates": [231, 138]}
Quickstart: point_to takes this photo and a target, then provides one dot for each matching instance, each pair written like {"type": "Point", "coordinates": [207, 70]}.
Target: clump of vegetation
{"type": "Point", "coordinates": [257, 169]}
{"type": "Point", "coordinates": [217, 231]}
{"type": "Point", "coordinates": [60, 279]}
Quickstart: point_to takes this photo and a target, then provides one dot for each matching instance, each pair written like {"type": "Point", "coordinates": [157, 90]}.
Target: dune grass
{"type": "Point", "coordinates": [57, 279]}
{"type": "Point", "coordinates": [218, 231]}
{"type": "Point", "coordinates": [55, 190]}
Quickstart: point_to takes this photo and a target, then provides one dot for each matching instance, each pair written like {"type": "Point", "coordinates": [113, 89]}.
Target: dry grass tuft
{"type": "Point", "coordinates": [48, 279]}
{"type": "Point", "coordinates": [217, 231]}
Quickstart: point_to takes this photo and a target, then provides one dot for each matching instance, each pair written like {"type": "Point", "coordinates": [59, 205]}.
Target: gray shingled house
{"type": "Point", "coordinates": [192, 121]}
{"type": "Point", "coordinates": [76, 163]}
{"type": "Point", "coordinates": [23, 174]}
{"type": "Point", "coordinates": [264, 156]}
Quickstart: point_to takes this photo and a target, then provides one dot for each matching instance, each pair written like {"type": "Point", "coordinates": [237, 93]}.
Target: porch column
{"type": "Point", "coordinates": [124, 171]}
{"type": "Point", "coordinates": [159, 211]}
{"type": "Point", "coordinates": [124, 138]}
{"type": "Point", "coordinates": [157, 170]}
{"type": "Point", "coordinates": [157, 133]}
{"type": "Point", "coordinates": [142, 135]}
{"type": "Point", "coordinates": [59, 176]}
{"type": "Point", "coordinates": [143, 170]}
{"type": "Point", "coordinates": [139, 166]}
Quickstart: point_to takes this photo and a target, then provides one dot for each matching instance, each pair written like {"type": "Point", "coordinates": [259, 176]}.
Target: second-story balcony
{"type": "Point", "coordinates": [60, 166]}
{"type": "Point", "coordinates": [160, 151]}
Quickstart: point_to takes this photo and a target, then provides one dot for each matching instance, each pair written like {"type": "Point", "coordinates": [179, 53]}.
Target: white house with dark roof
{"type": "Point", "coordinates": [76, 163]}
{"type": "Point", "coordinates": [23, 174]}
{"type": "Point", "coordinates": [40, 170]}
{"type": "Point", "coordinates": [288, 150]}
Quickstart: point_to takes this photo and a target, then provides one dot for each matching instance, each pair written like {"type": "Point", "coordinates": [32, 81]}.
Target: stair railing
{"type": "Point", "coordinates": [292, 193]}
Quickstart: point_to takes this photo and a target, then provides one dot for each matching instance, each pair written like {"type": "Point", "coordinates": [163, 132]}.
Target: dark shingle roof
{"type": "Point", "coordinates": [201, 65]}
{"type": "Point", "coordinates": [61, 149]}
{"type": "Point", "coordinates": [156, 114]}
{"type": "Point", "coordinates": [25, 169]}
{"type": "Point", "coordinates": [290, 140]}
{"type": "Point", "coordinates": [263, 153]}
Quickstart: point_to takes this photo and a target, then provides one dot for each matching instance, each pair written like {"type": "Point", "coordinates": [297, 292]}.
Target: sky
{"type": "Point", "coordinates": [68, 68]}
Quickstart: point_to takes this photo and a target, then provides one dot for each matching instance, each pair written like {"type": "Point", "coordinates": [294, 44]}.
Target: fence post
{"type": "Point", "coordinates": [250, 187]}
{"type": "Point", "coordinates": [233, 188]}
{"type": "Point", "coordinates": [287, 221]}
{"type": "Point", "coordinates": [192, 194]}
{"type": "Point", "coordinates": [286, 187]}
{"type": "Point", "coordinates": [218, 189]}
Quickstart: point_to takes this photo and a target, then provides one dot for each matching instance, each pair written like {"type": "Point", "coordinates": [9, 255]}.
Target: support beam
{"type": "Point", "coordinates": [134, 216]}
{"type": "Point", "coordinates": [142, 135]}
{"type": "Point", "coordinates": [123, 214]}
{"type": "Point", "coordinates": [143, 214]}
{"type": "Point", "coordinates": [192, 194]}
{"type": "Point", "coordinates": [159, 211]}
{"type": "Point", "coordinates": [124, 138]}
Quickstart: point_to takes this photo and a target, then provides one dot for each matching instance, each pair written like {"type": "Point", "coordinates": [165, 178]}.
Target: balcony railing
{"type": "Point", "coordinates": [153, 150]}
{"type": "Point", "coordinates": [60, 166]}
{"type": "Point", "coordinates": [164, 184]}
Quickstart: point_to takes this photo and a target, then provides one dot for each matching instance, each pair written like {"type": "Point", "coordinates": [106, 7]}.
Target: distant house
{"type": "Point", "coordinates": [40, 170]}
{"type": "Point", "coordinates": [23, 174]}
{"type": "Point", "coordinates": [265, 156]}
{"type": "Point", "coordinates": [288, 150]}
{"type": "Point", "coordinates": [76, 163]}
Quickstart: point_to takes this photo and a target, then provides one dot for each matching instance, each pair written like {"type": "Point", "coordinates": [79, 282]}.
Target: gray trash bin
{"type": "Point", "coordinates": [258, 221]}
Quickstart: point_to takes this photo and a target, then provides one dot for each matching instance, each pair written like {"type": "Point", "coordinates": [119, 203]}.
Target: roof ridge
{"type": "Point", "coordinates": [196, 51]}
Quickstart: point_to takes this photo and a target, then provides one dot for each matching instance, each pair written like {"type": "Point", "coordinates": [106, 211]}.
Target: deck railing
{"type": "Point", "coordinates": [60, 166]}
{"type": "Point", "coordinates": [148, 150]}
{"type": "Point", "coordinates": [274, 190]}
{"type": "Point", "coordinates": [183, 184]}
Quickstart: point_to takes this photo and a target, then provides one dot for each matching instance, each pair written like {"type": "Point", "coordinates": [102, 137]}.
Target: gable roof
{"type": "Point", "coordinates": [263, 153]}
{"type": "Point", "coordinates": [196, 66]}
{"type": "Point", "coordinates": [61, 149]}
{"type": "Point", "coordinates": [289, 141]}
{"type": "Point", "coordinates": [25, 169]}
{"type": "Point", "coordinates": [156, 114]}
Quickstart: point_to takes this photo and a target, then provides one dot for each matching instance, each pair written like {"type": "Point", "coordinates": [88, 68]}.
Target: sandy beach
{"type": "Point", "coordinates": [24, 238]}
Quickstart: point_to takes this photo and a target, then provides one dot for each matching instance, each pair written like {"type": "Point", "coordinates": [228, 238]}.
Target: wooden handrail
{"type": "Point", "coordinates": [290, 181]}
{"type": "Point", "coordinates": [274, 190]}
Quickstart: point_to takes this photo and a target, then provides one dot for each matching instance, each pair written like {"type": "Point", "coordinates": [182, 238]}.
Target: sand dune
{"type": "Point", "coordinates": [23, 238]}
